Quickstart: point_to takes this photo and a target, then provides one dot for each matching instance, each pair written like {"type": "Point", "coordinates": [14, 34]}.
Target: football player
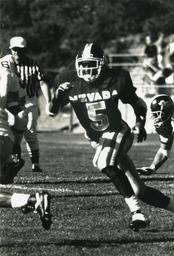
{"type": "Point", "coordinates": [6, 146]}
{"type": "Point", "coordinates": [38, 203]}
{"type": "Point", "coordinates": [161, 109]}
{"type": "Point", "coordinates": [9, 167]}
{"type": "Point", "coordinates": [12, 98]}
{"type": "Point", "coordinates": [94, 91]}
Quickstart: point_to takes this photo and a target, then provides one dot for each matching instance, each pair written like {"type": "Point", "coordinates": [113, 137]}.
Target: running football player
{"type": "Point", "coordinates": [162, 109]}
{"type": "Point", "coordinates": [94, 91]}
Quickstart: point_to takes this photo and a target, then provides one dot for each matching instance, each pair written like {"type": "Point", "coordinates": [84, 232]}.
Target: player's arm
{"type": "Point", "coordinates": [43, 86]}
{"type": "Point", "coordinates": [160, 157]}
{"type": "Point", "coordinates": [4, 89]}
{"type": "Point", "coordinates": [45, 90]}
{"type": "Point", "coordinates": [58, 100]}
{"type": "Point", "coordinates": [128, 95]}
{"type": "Point", "coordinates": [163, 153]}
{"type": "Point", "coordinates": [47, 95]}
{"type": "Point", "coordinates": [140, 110]}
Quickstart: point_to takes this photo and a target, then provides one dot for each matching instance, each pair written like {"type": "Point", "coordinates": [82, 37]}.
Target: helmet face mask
{"type": "Point", "coordinates": [162, 108]}
{"type": "Point", "coordinates": [89, 61]}
{"type": "Point", "coordinates": [157, 118]}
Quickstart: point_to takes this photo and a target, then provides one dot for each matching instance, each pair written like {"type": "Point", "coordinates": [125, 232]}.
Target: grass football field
{"type": "Point", "coordinates": [89, 215]}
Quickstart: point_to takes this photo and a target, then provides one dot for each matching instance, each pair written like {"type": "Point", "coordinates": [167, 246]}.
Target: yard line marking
{"type": "Point", "coordinates": [87, 142]}
{"type": "Point", "coordinates": [62, 192]}
{"type": "Point", "coordinates": [24, 188]}
{"type": "Point", "coordinates": [145, 144]}
{"type": "Point", "coordinates": [74, 141]}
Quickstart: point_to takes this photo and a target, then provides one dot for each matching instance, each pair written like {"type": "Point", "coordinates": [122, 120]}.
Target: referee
{"type": "Point", "coordinates": [31, 78]}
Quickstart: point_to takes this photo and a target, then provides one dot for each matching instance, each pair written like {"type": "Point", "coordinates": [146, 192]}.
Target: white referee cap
{"type": "Point", "coordinates": [18, 41]}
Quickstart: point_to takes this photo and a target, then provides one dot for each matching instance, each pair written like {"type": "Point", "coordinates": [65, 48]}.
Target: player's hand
{"type": "Point", "coordinates": [62, 89]}
{"type": "Point", "coordinates": [140, 131]}
{"type": "Point", "coordinates": [145, 171]}
{"type": "Point", "coordinates": [65, 86]}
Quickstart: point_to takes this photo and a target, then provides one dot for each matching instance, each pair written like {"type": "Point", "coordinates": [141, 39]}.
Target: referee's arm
{"type": "Point", "coordinates": [45, 90]}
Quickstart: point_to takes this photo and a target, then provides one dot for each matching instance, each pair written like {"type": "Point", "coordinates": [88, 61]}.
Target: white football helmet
{"type": "Point", "coordinates": [89, 61]}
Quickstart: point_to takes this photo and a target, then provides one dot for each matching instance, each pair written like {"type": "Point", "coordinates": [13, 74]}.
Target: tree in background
{"type": "Point", "coordinates": [56, 29]}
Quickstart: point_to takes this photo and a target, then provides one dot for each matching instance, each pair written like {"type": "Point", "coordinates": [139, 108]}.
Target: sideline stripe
{"type": "Point", "coordinates": [62, 192]}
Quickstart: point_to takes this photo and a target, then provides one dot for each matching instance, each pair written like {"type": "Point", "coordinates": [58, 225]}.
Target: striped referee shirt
{"type": "Point", "coordinates": [30, 75]}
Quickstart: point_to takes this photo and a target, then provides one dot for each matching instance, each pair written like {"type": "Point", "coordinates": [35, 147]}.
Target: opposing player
{"type": "Point", "coordinates": [12, 98]}
{"type": "Point", "coordinates": [6, 146]}
{"type": "Point", "coordinates": [162, 109]}
{"type": "Point", "coordinates": [94, 91]}
{"type": "Point", "coordinates": [31, 77]}
{"type": "Point", "coordinates": [38, 203]}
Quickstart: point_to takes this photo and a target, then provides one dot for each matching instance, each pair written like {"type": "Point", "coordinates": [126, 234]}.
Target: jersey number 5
{"type": "Point", "coordinates": [100, 121]}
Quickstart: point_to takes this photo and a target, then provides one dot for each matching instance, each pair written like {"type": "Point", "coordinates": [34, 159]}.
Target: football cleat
{"type": "Point", "coordinates": [36, 168]}
{"type": "Point", "coordinates": [40, 204]}
{"type": "Point", "coordinates": [138, 221]}
{"type": "Point", "coordinates": [145, 171]}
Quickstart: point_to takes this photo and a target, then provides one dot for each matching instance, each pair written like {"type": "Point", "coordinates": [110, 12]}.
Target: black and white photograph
{"type": "Point", "coordinates": [86, 128]}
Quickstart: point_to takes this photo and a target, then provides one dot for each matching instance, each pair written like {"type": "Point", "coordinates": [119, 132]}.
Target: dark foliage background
{"type": "Point", "coordinates": [56, 29]}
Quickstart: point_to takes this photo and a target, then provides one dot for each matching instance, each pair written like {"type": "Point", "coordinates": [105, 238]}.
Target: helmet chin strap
{"type": "Point", "coordinates": [157, 125]}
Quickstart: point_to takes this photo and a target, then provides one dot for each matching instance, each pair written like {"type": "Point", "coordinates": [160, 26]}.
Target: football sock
{"type": "Point", "coordinates": [34, 155]}
{"type": "Point", "coordinates": [18, 200]}
{"type": "Point", "coordinates": [132, 203]}
{"type": "Point", "coordinates": [170, 206]}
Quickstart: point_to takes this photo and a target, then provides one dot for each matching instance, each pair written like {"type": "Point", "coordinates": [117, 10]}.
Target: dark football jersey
{"type": "Point", "coordinates": [165, 132]}
{"type": "Point", "coordinates": [96, 103]}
